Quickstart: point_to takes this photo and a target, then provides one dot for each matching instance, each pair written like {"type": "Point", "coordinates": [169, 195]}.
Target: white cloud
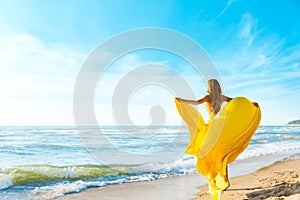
{"type": "Point", "coordinates": [226, 8]}
{"type": "Point", "coordinates": [36, 81]}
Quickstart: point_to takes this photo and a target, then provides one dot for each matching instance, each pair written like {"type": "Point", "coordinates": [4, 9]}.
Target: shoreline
{"type": "Point", "coordinates": [274, 178]}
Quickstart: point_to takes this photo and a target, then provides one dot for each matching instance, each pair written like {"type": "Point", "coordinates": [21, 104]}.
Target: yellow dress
{"type": "Point", "coordinates": [219, 142]}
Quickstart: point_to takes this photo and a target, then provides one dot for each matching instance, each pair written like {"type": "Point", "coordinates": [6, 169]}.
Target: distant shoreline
{"type": "Point", "coordinates": [294, 123]}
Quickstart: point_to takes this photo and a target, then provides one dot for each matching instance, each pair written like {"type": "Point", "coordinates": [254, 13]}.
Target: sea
{"type": "Point", "coordinates": [41, 162]}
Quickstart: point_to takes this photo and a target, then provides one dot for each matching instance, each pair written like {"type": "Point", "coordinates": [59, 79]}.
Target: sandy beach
{"type": "Point", "coordinates": [280, 180]}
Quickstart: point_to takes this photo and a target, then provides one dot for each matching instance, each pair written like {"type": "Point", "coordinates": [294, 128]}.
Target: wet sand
{"type": "Point", "coordinates": [280, 180]}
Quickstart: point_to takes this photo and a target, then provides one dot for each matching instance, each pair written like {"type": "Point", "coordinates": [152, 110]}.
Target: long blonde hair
{"type": "Point", "coordinates": [215, 94]}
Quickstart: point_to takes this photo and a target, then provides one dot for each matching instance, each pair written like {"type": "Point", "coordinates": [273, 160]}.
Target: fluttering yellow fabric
{"type": "Point", "coordinates": [219, 142]}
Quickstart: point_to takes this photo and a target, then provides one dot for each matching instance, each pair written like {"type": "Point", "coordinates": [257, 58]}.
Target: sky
{"type": "Point", "coordinates": [255, 46]}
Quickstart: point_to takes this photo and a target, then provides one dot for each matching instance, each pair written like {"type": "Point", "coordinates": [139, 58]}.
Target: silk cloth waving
{"type": "Point", "coordinates": [219, 142]}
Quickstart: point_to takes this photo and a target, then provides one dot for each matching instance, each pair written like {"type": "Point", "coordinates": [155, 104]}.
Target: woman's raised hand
{"type": "Point", "coordinates": [178, 99]}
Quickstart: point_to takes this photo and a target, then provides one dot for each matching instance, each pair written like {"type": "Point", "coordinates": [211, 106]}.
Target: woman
{"type": "Point", "coordinates": [214, 101]}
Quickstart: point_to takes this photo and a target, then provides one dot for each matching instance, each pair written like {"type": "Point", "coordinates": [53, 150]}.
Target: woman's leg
{"type": "Point", "coordinates": [226, 178]}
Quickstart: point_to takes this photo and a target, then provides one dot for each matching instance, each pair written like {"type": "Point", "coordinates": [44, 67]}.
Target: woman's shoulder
{"type": "Point", "coordinates": [225, 98]}
{"type": "Point", "coordinates": [206, 98]}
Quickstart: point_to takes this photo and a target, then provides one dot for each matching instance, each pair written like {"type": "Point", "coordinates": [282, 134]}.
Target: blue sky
{"type": "Point", "coordinates": [254, 44]}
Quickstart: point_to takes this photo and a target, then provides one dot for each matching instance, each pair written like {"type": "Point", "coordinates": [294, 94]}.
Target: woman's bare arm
{"type": "Point", "coordinates": [227, 99]}
{"type": "Point", "coordinates": [204, 99]}
{"type": "Point", "coordinates": [192, 102]}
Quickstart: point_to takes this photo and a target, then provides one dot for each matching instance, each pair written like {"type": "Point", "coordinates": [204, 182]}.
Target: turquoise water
{"type": "Point", "coordinates": [47, 162]}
